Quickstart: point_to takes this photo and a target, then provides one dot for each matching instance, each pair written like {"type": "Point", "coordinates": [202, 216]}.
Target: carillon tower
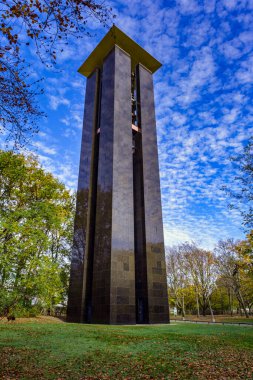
{"type": "Point", "coordinates": [118, 273]}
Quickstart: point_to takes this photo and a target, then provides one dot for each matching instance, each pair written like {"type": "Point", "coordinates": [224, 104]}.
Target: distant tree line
{"type": "Point", "coordinates": [215, 282]}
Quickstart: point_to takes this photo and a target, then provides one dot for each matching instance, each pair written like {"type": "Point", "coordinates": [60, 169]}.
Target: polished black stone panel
{"type": "Point", "coordinates": [141, 285]}
{"type": "Point", "coordinates": [113, 293]}
{"type": "Point", "coordinates": [154, 241]}
{"type": "Point", "coordinates": [84, 205]}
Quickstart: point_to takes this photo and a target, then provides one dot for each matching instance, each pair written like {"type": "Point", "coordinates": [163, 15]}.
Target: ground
{"type": "Point", "coordinates": [45, 348]}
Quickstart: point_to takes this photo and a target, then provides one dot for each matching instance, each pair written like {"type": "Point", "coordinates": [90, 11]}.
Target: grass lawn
{"type": "Point", "coordinates": [32, 350]}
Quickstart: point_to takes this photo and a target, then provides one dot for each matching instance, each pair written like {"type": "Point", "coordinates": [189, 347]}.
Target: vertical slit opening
{"type": "Point", "coordinates": [141, 288]}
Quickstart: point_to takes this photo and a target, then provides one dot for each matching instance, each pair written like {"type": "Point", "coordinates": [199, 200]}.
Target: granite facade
{"type": "Point", "coordinates": [118, 271]}
{"type": "Point", "coordinates": [154, 241]}
{"type": "Point", "coordinates": [85, 205]}
{"type": "Point", "coordinates": [113, 299]}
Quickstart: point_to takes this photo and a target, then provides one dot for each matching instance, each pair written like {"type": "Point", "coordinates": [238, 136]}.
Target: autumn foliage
{"type": "Point", "coordinates": [36, 219]}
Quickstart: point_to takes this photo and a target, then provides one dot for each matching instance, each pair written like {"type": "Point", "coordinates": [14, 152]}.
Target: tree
{"type": "Point", "coordinates": [221, 280]}
{"type": "Point", "coordinates": [202, 269]}
{"type": "Point", "coordinates": [234, 273]}
{"type": "Point", "coordinates": [177, 278]}
{"type": "Point", "coordinates": [190, 267]}
{"type": "Point", "coordinates": [223, 299]}
{"type": "Point", "coordinates": [36, 221]}
{"type": "Point", "coordinates": [245, 251]}
{"type": "Point", "coordinates": [45, 26]}
{"type": "Point", "coordinates": [243, 195]}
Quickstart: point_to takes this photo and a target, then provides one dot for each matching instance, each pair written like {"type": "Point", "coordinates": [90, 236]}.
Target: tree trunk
{"type": "Point", "coordinates": [230, 302]}
{"type": "Point", "coordinates": [197, 303]}
{"type": "Point", "coordinates": [183, 310]}
{"type": "Point", "coordinates": [241, 302]}
{"type": "Point", "coordinates": [204, 306]}
{"type": "Point", "coordinates": [211, 310]}
{"type": "Point", "coordinates": [238, 292]}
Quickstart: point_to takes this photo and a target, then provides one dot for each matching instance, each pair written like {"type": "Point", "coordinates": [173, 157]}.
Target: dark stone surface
{"type": "Point", "coordinates": [154, 241]}
{"type": "Point", "coordinates": [83, 205]}
{"type": "Point", "coordinates": [114, 231]}
{"type": "Point", "coordinates": [118, 266]}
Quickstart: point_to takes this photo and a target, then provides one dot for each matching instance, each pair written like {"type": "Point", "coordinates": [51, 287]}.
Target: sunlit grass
{"type": "Point", "coordinates": [71, 351]}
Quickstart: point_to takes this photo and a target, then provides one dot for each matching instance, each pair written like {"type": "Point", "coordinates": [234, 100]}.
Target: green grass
{"type": "Point", "coordinates": [176, 351]}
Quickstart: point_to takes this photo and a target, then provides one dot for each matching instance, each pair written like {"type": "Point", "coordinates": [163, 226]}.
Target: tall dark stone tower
{"type": "Point", "coordinates": [118, 272]}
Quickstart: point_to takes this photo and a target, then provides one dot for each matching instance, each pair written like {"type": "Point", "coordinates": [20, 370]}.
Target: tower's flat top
{"type": "Point", "coordinates": [116, 37]}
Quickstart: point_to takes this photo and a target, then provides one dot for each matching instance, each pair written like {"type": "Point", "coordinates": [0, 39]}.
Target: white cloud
{"type": "Point", "coordinates": [45, 148]}
{"type": "Point", "coordinates": [188, 6]}
{"type": "Point", "coordinates": [245, 73]}
{"type": "Point", "coordinates": [230, 4]}
{"type": "Point", "coordinates": [56, 101]}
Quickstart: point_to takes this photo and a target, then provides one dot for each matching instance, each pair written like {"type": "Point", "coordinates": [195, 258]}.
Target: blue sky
{"type": "Point", "coordinates": [204, 109]}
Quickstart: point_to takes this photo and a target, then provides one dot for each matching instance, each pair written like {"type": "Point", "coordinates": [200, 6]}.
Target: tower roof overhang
{"type": "Point", "coordinates": [116, 37]}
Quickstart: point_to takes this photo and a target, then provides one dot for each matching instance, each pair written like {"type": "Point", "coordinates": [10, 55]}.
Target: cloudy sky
{"type": "Point", "coordinates": [204, 110]}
